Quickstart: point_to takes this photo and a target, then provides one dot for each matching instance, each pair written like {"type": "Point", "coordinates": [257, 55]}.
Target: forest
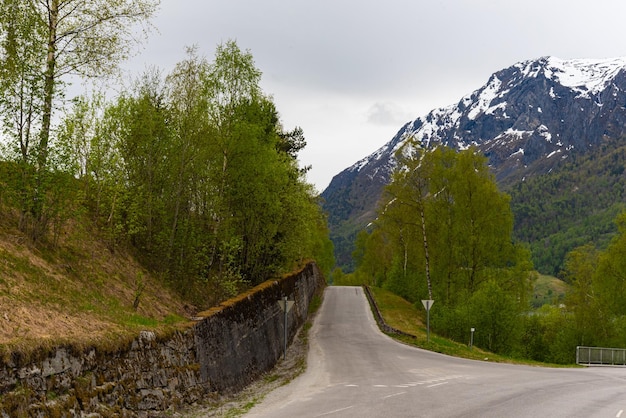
{"type": "Point", "coordinates": [191, 170]}
{"type": "Point", "coordinates": [571, 206]}
{"type": "Point", "coordinates": [445, 232]}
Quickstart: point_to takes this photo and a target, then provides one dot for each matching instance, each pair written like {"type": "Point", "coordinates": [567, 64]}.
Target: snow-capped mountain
{"type": "Point", "coordinates": [526, 119]}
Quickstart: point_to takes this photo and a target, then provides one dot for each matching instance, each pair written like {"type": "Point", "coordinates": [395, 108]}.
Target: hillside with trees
{"type": "Point", "coordinates": [553, 132]}
{"type": "Point", "coordinates": [189, 176]}
{"type": "Point", "coordinates": [192, 170]}
{"type": "Point", "coordinates": [572, 206]}
{"type": "Point", "coordinates": [196, 172]}
{"type": "Point", "coordinates": [445, 232]}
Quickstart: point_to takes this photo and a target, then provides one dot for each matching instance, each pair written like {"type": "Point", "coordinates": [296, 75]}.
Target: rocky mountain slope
{"type": "Point", "coordinates": [529, 119]}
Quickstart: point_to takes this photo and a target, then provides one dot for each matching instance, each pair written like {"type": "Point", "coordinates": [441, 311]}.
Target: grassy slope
{"type": "Point", "coordinates": [404, 316]}
{"type": "Point", "coordinates": [548, 290]}
{"type": "Point", "coordinates": [77, 292]}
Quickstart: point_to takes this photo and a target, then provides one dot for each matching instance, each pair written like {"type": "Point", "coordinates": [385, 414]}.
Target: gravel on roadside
{"type": "Point", "coordinates": [239, 403]}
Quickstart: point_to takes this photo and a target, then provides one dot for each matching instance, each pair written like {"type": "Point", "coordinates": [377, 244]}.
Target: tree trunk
{"type": "Point", "coordinates": [426, 257]}
{"type": "Point", "coordinates": [44, 136]}
{"type": "Point", "coordinates": [49, 81]}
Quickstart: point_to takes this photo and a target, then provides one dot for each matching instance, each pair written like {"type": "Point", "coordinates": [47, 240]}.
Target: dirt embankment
{"type": "Point", "coordinates": [75, 290]}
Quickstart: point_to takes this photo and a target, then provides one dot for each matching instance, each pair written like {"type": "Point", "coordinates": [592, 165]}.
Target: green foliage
{"type": "Point", "coordinates": [496, 314]}
{"type": "Point", "coordinates": [40, 43]}
{"type": "Point", "coordinates": [548, 290]}
{"type": "Point", "coordinates": [343, 236]}
{"type": "Point", "coordinates": [610, 280]}
{"type": "Point", "coordinates": [592, 313]}
{"type": "Point", "coordinates": [403, 282]}
{"type": "Point", "coordinates": [339, 278]}
{"type": "Point", "coordinates": [195, 172]}
{"type": "Point", "coordinates": [570, 207]}
{"type": "Point", "coordinates": [444, 232]}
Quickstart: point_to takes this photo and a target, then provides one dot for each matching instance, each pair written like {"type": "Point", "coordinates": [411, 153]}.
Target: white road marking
{"type": "Point", "coordinates": [395, 394]}
{"type": "Point", "coordinates": [619, 414]}
{"type": "Point", "coordinates": [335, 411]}
{"type": "Point", "coordinates": [352, 386]}
{"type": "Point", "coordinates": [380, 386]}
{"type": "Point", "coordinates": [437, 384]}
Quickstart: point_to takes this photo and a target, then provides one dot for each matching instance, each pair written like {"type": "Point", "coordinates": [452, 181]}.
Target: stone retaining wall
{"type": "Point", "coordinates": [227, 348]}
{"type": "Point", "coordinates": [386, 328]}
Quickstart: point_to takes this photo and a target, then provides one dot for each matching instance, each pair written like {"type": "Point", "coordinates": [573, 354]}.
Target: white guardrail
{"type": "Point", "coordinates": [600, 356]}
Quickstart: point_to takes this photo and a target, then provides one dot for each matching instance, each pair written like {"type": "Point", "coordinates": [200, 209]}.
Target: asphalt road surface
{"type": "Point", "coordinates": [356, 371]}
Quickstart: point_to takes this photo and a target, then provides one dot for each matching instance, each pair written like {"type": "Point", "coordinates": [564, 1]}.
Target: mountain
{"type": "Point", "coordinates": [531, 120]}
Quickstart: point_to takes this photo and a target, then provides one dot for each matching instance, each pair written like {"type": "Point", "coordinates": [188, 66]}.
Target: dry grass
{"type": "Point", "coordinates": [76, 292]}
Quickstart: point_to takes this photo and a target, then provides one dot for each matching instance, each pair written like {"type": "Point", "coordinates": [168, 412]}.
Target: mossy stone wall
{"type": "Point", "coordinates": [225, 349]}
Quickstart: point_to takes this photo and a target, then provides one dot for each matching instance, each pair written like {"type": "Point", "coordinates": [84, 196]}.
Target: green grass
{"type": "Point", "coordinates": [548, 290]}
{"type": "Point", "coordinates": [404, 316]}
{"type": "Point", "coordinates": [244, 409]}
{"type": "Point", "coordinates": [315, 304]}
{"type": "Point", "coordinates": [172, 319]}
{"type": "Point", "coordinates": [140, 321]}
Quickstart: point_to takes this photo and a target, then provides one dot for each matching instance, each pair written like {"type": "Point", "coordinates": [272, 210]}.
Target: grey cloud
{"type": "Point", "coordinates": [387, 113]}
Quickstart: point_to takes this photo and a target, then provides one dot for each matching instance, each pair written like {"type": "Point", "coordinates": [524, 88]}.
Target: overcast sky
{"type": "Point", "coordinates": [352, 72]}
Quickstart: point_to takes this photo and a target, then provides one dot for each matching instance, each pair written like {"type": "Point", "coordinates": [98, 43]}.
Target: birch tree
{"type": "Point", "coordinates": [42, 42]}
{"type": "Point", "coordinates": [410, 189]}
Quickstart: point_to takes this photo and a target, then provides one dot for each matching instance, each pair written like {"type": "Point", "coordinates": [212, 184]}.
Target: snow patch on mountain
{"type": "Point", "coordinates": [586, 76]}
{"type": "Point", "coordinates": [455, 125]}
{"type": "Point", "coordinates": [526, 120]}
{"type": "Point", "coordinates": [483, 102]}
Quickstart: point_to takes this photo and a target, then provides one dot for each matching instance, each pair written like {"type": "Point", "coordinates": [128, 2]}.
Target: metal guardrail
{"type": "Point", "coordinates": [600, 356]}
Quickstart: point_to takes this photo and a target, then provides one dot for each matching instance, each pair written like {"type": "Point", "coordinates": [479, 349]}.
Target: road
{"type": "Point", "coordinates": [356, 371]}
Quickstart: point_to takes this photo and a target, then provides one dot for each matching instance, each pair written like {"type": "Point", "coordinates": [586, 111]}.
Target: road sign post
{"type": "Point", "coordinates": [472, 337]}
{"type": "Point", "coordinates": [428, 303]}
{"type": "Point", "coordinates": [285, 306]}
